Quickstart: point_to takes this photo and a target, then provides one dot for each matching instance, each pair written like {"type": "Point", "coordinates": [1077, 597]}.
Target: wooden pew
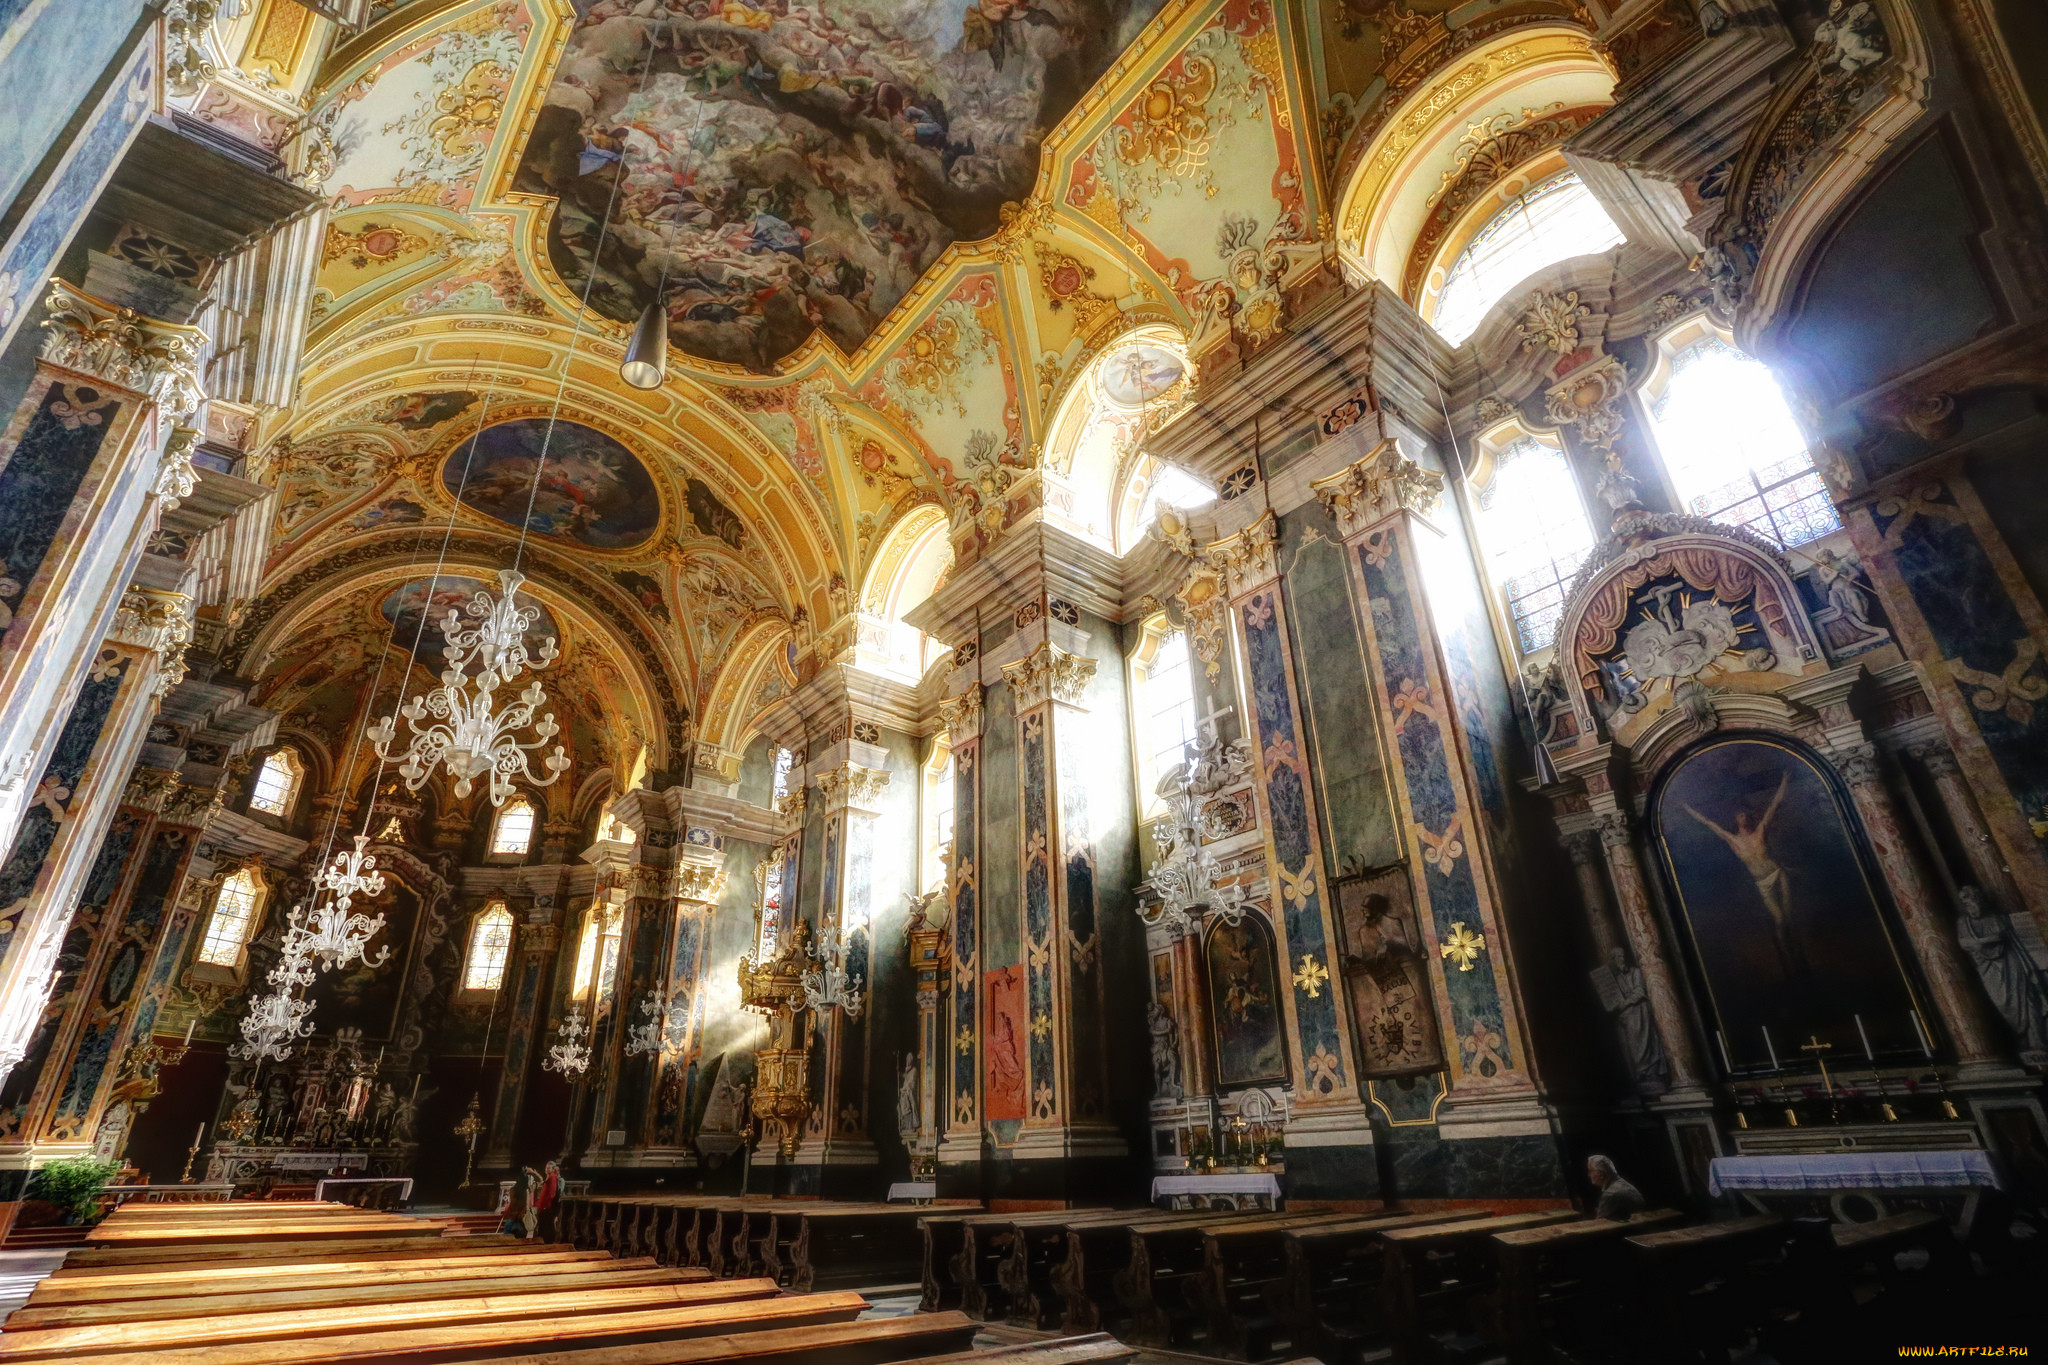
{"type": "Point", "coordinates": [944, 1234]}
{"type": "Point", "coordinates": [282, 1325]}
{"type": "Point", "coordinates": [312, 1249]}
{"type": "Point", "coordinates": [1432, 1273]}
{"type": "Point", "coordinates": [132, 1286]}
{"type": "Point", "coordinates": [485, 1338]}
{"type": "Point", "coordinates": [1556, 1284]}
{"type": "Point", "coordinates": [1160, 1287]}
{"type": "Point", "coordinates": [985, 1240]}
{"type": "Point", "coordinates": [197, 1236]}
{"type": "Point", "coordinates": [1096, 1252]}
{"type": "Point", "coordinates": [1329, 1293]}
{"type": "Point", "coordinates": [1026, 1271]}
{"type": "Point", "coordinates": [1244, 1263]}
{"type": "Point", "coordinates": [843, 1246]}
{"type": "Point", "coordinates": [1699, 1291]}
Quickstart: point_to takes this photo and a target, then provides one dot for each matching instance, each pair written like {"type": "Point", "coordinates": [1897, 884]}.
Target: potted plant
{"type": "Point", "coordinates": [73, 1184]}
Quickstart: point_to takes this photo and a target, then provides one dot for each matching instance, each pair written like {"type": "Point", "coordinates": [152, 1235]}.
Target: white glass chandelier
{"type": "Point", "coordinates": [569, 1055]}
{"type": "Point", "coordinates": [467, 734]}
{"type": "Point", "coordinates": [829, 984]}
{"type": "Point", "coordinates": [333, 934]}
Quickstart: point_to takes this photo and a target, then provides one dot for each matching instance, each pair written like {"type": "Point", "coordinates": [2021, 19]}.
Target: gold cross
{"type": "Point", "coordinates": [1819, 1050]}
{"type": "Point", "coordinates": [1463, 946]}
{"type": "Point", "coordinates": [1310, 976]}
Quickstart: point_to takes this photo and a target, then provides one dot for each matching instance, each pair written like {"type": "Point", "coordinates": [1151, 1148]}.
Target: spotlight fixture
{"type": "Point", "coordinates": [646, 362]}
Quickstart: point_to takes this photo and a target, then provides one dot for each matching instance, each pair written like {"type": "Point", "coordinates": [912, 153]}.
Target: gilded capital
{"type": "Point", "coordinates": [175, 477]}
{"type": "Point", "coordinates": [150, 619]}
{"type": "Point", "coordinates": [1376, 487]}
{"type": "Point", "coordinates": [961, 715]}
{"type": "Point", "coordinates": [852, 787]}
{"type": "Point", "coordinates": [1250, 557]}
{"type": "Point", "coordinates": [697, 885]}
{"type": "Point", "coordinates": [1049, 673]}
{"type": "Point", "coordinates": [123, 348]}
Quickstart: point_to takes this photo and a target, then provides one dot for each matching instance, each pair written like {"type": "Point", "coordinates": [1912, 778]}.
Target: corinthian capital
{"type": "Point", "coordinates": [850, 786]}
{"type": "Point", "coordinates": [1250, 557]}
{"type": "Point", "coordinates": [1614, 829]}
{"type": "Point", "coordinates": [961, 715]}
{"type": "Point", "coordinates": [1376, 487]}
{"type": "Point", "coordinates": [1049, 673]}
{"type": "Point", "coordinates": [697, 885]}
{"type": "Point", "coordinates": [122, 348]}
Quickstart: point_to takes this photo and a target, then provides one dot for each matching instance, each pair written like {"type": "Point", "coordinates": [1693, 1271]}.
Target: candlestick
{"type": "Point", "coordinates": [1868, 1055]}
{"type": "Point", "coordinates": [1926, 1043]}
{"type": "Point", "coordinates": [1726, 1065]}
{"type": "Point", "coordinates": [190, 1024]}
{"type": "Point", "coordinates": [416, 1084]}
{"type": "Point", "coordinates": [199, 1136]}
{"type": "Point", "coordinates": [1768, 1048]}
{"type": "Point", "coordinates": [192, 1155]}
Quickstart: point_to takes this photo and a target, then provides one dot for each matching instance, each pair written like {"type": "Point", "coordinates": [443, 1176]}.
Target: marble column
{"type": "Point", "coordinates": [1583, 845]}
{"type": "Point", "coordinates": [1380, 503]}
{"type": "Point", "coordinates": [645, 929]}
{"type": "Point", "coordinates": [837, 1133]}
{"type": "Point", "coordinates": [1327, 1123]}
{"type": "Point", "coordinates": [698, 880]}
{"type": "Point", "coordinates": [1988, 867]}
{"type": "Point", "coordinates": [536, 940]}
{"type": "Point", "coordinates": [83, 460]}
{"type": "Point", "coordinates": [59, 838]}
{"type": "Point", "coordinates": [1066, 1067]}
{"type": "Point", "coordinates": [1949, 981]}
{"type": "Point", "coordinates": [1191, 1009]}
{"type": "Point", "coordinates": [961, 1143]}
{"type": "Point", "coordinates": [1646, 945]}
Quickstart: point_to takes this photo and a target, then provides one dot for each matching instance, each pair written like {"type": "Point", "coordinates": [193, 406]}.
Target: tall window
{"type": "Point", "coordinates": [1166, 710]}
{"type": "Point", "coordinates": [490, 944]}
{"type": "Point", "coordinates": [1547, 223]}
{"type": "Point", "coordinates": [784, 760]}
{"type": "Point", "coordinates": [1732, 449]}
{"type": "Point", "coordinates": [607, 958]}
{"type": "Point", "coordinates": [514, 831]}
{"type": "Point", "coordinates": [938, 813]}
{"type": "Point", "coordinates": [277, 781]}
{"type": "Point", "coordinates": [1536, 535]}
{"type": "Point", "coordinates": [586, 953]}
{"type": "Point", "coordinates": [773, 881]}
{"type": "Point", "coordinates": [234, 915]}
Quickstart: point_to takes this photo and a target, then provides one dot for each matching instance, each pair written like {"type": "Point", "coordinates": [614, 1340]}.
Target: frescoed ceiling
{"type": "Point", "coordinates": [890, 238]}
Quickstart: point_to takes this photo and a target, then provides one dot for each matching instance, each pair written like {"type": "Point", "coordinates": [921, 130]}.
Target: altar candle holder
{"type": "Point", "coordinates": [192, 1155]}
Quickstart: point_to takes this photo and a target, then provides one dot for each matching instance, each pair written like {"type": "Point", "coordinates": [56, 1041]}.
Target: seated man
{"type": "Point", "coordinates": [1619, 1200]}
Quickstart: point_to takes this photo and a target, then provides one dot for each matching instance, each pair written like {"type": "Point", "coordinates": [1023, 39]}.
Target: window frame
{"type": "Point", "coordinates": [465, 985]}
{"type": "Point", "coordinates": [936, 771]}
{"type": "Point", "coordinates": [1488, 449]}
{"type": "Point", "coordinates": [518, 801]}
{"type": "Point", "coordinates": [287, 756]}
{"type": "Point", "coordinates": [776, 867]}
{"type": "Point", "coordinates": [1156, 631]}
{"type": "Point", "coordinates": [259, 901]}
{"type": "Point", "coordinates": [1536, 179]}
{"type": "Point", "coordinates": [1667, 348]}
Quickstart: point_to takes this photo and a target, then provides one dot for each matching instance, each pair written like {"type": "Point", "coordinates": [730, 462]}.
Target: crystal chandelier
{"type": "Point", "coordinates": [829, 983]}
{"type": "Point", "coordinates": [333, 934]}
{"type": "Point", "coordinates": [277, 1021]}
{"type": "Point", "coordinates": [467, 734]}
{"type": "Point", "coordinates": [659, 1032]}
{"type": "Point", "coordinates": [569, 1055]}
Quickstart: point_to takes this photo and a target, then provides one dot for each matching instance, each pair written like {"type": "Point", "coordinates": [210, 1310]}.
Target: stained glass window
{"type": "Point", "coordinates": [1548, 223]}
{"type": "Point", "coordinates": [234, 913]}
{"type": "Point", "coordinates": [1732, 449]}
{"type": "Point", "coordinates": [514, 830]}
{"type": "Point", "coordinates": [490, 945]}
{"type": "Point", "coordinates": [276, 782]}
{"type": "Point", "coordinates": [1535, 533]}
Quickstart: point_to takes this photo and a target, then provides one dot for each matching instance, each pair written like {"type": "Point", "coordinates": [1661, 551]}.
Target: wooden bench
{"type": "Point", "coordinates": [137, 1286]}
{"type": "Point", "coordinates": [1701, 1291]}
{"type": "Point", "coordinates": [1026, 1271]}
{"type": "Point", "coordinates": [1557, 1283]}
{"type": "Point", "coordinates": [1431, 1275]}
{"type": "Point", "coordinates": [1160, 1287]}
{"type": "Point", "coordinates": [1330, 1291]}
{"type": "Point", "coordinates": [1096, 1252]}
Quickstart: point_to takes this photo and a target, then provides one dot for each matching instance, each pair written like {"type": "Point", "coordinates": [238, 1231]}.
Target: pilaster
{"type": "Point", "coordinates": [962, 1143]}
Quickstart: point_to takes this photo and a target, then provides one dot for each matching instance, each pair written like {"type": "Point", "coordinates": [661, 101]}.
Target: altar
{"type": "Point", "coordinates": [1858, 1186]}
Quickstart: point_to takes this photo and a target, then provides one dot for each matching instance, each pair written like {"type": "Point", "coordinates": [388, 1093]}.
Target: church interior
{"type": "Point", "coordinates": [1052, 680]}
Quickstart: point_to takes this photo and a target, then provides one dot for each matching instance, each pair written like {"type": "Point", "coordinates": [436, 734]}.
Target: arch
{"type": "Point", "coordinates": [907, 568]}
{"type": "Point", "coordinates": [1386, 205]}
{"type": "Point", "coordinates": [514, 826]}
{"type": "Point", "coordinates": [1095, 443]}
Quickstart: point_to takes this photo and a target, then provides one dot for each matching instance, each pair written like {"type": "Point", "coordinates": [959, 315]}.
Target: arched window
{"type": "Point", "coordinates": [597, 953]}
{"type": "Point", "coordinates": [1548, 223]}
{"type": "Point", "coordinates": [234, 915]}
{"type": "Point", "coordinates": [1729, 443]}
{"type": "Point", "coordinates": [513, 833]}
{"type": "Point", "coordinates": [1165, 708]}
{"type": "Point", "coordinates": [490, 945]}
{"type": "Point", "coordinates": [277, 782]}
{"type": "Point", "coordinates": [1535, 533]}
{"type": "Point", "coordinates": [1155, 486]}
{"type": "Point", "coordinates": [784, 760]}
{"type": "Point", "coordinates": [938, 814]}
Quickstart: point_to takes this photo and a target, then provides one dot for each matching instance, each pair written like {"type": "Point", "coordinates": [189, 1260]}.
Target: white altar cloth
{"type": "Point", "coordinates": [1164, 1185]}
{"type": "Point", "coordinates": [1851, 1171]}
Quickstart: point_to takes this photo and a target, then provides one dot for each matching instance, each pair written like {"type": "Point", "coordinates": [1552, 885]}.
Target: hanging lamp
{"type": "Point", "coordinates": [646, 362]}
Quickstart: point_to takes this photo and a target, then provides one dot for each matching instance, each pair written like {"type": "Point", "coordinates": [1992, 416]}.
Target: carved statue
{"type": "Point", "coordinates": [907, 1124]}
{"type": "Point", "coordinates": [1624, 996]}
{"type": "Point", "coordinates": [382, 1110]}
{"type": "Point", "coordinates": [2008, 972]}
{"type": "Point", "coordinates": [1850, 599]}
{"type": "Point", "coordinates": [1851, 38]}
{"type": "Point", "coordinates": [1165, 1052]}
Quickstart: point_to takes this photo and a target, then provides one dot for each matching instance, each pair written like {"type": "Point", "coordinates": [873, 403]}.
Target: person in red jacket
{"type": "Point", "coordinates": [545, 1198]}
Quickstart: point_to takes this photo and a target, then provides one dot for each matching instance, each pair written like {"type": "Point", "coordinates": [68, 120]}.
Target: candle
{"type": "Point", "coordinates": [199, 1138]}
{"type": "Point", "coordinates": [1768, 1048]}
{"type": "Point", "coordinates": [189, 1025]}
{"type": "Point", "coordinates": [378, 1063]}
{"type": "Point", "coordinates": [1726, 1064]}
{"type": "Point", "coordinates": [416, 1084]}
{"type": "Point", "coordinates": [1926, 1043]}
{"type": "Point", "coordinates": [1868, 1055]}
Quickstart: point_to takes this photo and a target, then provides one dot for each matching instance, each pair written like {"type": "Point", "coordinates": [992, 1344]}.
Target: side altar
{"type": "Point", "coordinates": [336, 1112]}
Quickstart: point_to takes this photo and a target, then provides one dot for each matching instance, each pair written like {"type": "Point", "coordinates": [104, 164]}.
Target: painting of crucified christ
{"type": "Point", "coordinates": [1781, 914]}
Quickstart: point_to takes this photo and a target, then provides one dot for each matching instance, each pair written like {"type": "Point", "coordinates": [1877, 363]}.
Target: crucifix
{"type": "Point", "coordinates": [1206, 726]}
{"type": "Point", "coordinates": [1819, 1050]}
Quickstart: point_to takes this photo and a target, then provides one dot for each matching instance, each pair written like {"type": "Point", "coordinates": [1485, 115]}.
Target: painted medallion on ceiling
{"type": "Point", "coordinates": [418, 610]}
{"type": "Point", "coordinates": [1139, 375]}
{"type": "Point", "coordinates": [591, 489]}
{"type": "Point", "coordinates": [788, 167]}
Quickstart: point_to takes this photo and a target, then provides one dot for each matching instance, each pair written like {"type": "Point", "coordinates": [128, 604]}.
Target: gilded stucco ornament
{"type": "Point", "coordinates": [123, 348]}
{"type": "Point", "coordinates": [1552, 321]}
{"type": "Point", "coordinates": [1591, 402]}
{"type": "Point", "coordinates": [1384, 482]}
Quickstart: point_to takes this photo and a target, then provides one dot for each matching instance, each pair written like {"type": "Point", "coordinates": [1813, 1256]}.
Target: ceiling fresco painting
{"type": "Point", "coordinates": [559, 479]}
{"type": "Point", "coordinates": [795, 168]}
{"type": "Point", "coordinates": [418, 611]}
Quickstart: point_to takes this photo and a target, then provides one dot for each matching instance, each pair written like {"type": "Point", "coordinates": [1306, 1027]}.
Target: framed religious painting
{"type": "Point", "coordinates": [1787, 923]}
{"type": "Point", "coordinates": [1244, 1003]}
{"type": "Point", "coordinates": [1386, 978]}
